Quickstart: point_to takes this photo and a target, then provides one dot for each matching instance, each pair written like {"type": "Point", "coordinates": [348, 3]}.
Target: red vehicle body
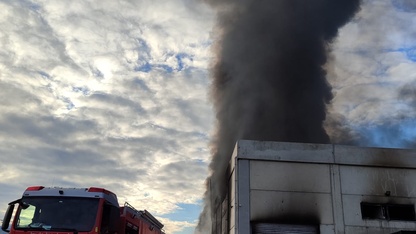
{"type": "Point", "coordinates": [91, 210]}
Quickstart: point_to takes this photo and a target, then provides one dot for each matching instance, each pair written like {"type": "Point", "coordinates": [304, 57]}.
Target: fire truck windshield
{"type": "Point", "coordinates": [75, 214]}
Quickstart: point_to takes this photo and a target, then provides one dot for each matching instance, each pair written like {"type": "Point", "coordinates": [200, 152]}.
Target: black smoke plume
{"type": "Point", "coordinates": [268, 77]}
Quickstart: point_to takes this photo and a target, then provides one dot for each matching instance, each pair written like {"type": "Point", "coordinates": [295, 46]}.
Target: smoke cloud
{"type": "Point", "coordinates": [269, 81]}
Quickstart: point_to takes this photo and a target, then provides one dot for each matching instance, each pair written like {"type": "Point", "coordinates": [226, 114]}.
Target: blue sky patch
{"type": "Point", "coordinates": [144, 68]}
{"type": "Point", "coordinates": [410, 52]}
{"type": "Point", "coordinates": [148, 67]}
{"type": "Point", "coordinates": [165, 67]}
{"type": "Point", "coordinates": [97, 73]}
{"type": "Point", "coordinates": [84, 90]}
{"type": "Point", "coordinates": [30, 5]}
{"type": "Point", "coordinates": [69, 104]}
{"type": "Point", "coordinates": [179, 57]}
{"type": "Point", "coordinates": [44, 75]}
{"type": "Point", "coordinates": [186, 212]}
{"type": "Point", "coordinates": [405, 5]}
{"type": "Point", "coordinates": [388, 135]}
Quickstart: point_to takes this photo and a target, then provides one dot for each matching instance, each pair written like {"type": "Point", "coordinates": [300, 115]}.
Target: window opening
{"type": "Point", "coordinates": [388, 211]}
{"type": "Point", "coordinates": [131, 229]}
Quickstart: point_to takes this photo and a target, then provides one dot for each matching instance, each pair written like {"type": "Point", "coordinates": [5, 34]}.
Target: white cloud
{"type": "Point", "coordinates": [373, 63]}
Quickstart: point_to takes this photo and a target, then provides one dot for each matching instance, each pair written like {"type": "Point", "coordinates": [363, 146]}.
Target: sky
{"type": "Point", "coordinates": [115, 94]}
{"type": "Point", "coordinates": [108, 94]}
{"type": "Point", "coordinates": [373, 75]}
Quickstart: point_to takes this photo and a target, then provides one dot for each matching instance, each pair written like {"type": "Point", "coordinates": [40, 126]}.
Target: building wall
{"type": "Point", "coordinates": [290, 192]}
{"type": "Point", "coordinates": [323, 185]}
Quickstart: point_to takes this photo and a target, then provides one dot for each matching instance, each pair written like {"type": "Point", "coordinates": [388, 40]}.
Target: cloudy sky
{"type": "Point", "coordinates": [374, 75]}
{"type": "Point", "coordinates": [115, 94]}
{"type": "Point", "coordinates": [110, 94]}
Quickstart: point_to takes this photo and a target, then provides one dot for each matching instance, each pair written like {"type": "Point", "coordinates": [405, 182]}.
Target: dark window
{"type": "Point", "coordinates": [401, 212]}
{"type": "Point", "coordinates": [131, 229]}
{"type": "Point", "coordinates": [387, 211]}
{"type": "Point", "coordinates": [372, 211]}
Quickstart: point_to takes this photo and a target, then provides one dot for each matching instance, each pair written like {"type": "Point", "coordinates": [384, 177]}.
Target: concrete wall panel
{"type": "Point", "coordinates": [290, 206]}
{"type": "Point", "coordinates": [368, 230]}
{"type": "Point", "coordinates": [374, 156]}
{"type": "Point", "coordinates": [285, 176]}
{"type": "Point", "coordinates": [327, 229]}
{"type": "Point", "coordinates": [281, 151]}
{"type": "Point", "coordinates": [377, 181]}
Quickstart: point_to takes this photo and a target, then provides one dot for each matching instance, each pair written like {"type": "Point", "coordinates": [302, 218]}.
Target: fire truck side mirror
{"type": "Point", "coordinates": [7, 218]}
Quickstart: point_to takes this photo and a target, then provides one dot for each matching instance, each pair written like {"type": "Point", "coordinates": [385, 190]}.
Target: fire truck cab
{"type": "Point", "coordinates": [43, 210]}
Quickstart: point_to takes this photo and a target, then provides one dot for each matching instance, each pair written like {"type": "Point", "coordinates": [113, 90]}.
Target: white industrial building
{"type": "Point", "coordinates": [277, 187]}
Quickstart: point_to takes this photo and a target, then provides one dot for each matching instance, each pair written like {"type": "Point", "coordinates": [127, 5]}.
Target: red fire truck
{"type": "Point", "coordinates": [43, 210]}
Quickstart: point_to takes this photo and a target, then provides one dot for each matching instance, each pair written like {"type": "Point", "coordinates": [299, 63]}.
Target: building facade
{"type": "Point", "coordinates": [278, 187]}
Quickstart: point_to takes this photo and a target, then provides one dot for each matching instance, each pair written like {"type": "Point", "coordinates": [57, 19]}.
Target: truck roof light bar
{"type": "Point", "coordinates": [99, 190]}
{"type": "Point", "coordinates": [35, 188]}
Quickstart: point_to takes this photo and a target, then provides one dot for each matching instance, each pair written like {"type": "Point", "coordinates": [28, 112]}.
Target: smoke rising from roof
{"type": "Point", "coordinates": [268, 78]}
